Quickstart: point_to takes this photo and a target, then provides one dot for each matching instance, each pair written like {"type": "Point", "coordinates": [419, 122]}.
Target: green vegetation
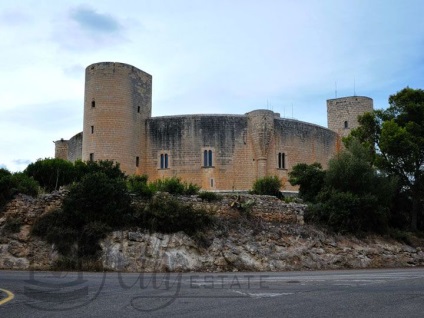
{"type": "Point", "coordinates": [309, 178]}
{"type": "Point", "coordinates": [395, 138]}
{"type": "Point", "coordinates": [12, 225]}
{"type": "Point", "coordinates": [353, 196]}
{"type": "Point", "coordinates": [101, 202]}
{"type": "Point", "coordinates": [14, 183]}
{"type": "Point", "coordinates": [269, 185]}
{"type": "Point", "coordinates": [165, 214]}
{"type": "Point", "coordinates": [174, 185]}
{"type": "Point", "coordinates": [51, 173]}
{"type": "Point", "coordinates": [209, 196]}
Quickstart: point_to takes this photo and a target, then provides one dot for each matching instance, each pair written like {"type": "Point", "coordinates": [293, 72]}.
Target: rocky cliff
{"type": "Point", "coordinates": [271, 237]}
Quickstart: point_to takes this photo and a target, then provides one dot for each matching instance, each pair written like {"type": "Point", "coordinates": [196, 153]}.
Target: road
{"type": "Point", "coordinates": [345, 293]}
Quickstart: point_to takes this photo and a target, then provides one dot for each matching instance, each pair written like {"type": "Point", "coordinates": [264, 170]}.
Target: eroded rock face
{"type": "Point", "coordinates": [272, 238]}
{"type": "Point", "coordinates": [275, 248]}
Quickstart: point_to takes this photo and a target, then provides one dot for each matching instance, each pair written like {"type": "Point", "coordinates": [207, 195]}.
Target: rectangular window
{"type": "Point", "coordinates": [164, 161]}
{"type": "Point", "coordinates": [91, 156]}
{"type": "Point", "coordinates": [137, 161]}
{"type": "Point", "coordinates": [207, 158]}
{"type": "Point", "coordinates": [138, 109]}
{"type": "Point", "coordinates": [92, 129]}
{"type": "Point", "coordinates": [211, 183]}
{"type": "Point", "coordinates": [93, 103]}
{"type": "Point", "coordinates": [281, 160]}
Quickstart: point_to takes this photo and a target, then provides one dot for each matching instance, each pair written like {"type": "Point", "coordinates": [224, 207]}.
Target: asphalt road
{"type": "Point", "coordinates": [353, 293]}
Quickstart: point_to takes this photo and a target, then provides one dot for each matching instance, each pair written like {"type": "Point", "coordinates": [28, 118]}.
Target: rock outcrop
{"type": "Point", "coordinates": [253, 233]}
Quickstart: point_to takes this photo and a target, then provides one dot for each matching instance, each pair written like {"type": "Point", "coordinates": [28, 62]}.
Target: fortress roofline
{"type": "Point", "coordinates": [348, 97]}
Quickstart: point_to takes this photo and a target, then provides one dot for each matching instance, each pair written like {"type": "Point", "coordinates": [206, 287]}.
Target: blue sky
{"type": "Point", "coordinates": [220, 56]}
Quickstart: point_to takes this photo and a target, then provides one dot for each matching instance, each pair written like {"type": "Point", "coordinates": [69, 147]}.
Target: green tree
{"type": "Point", "coordinates": [14, 183]}
{"type": "Point", "coordinates": [309, 178]}
{"type": "Point", "coordinates": [51, 173]}
{"type": "Point", "coordinates": [355, 197]}
{"type": "Point", "coordinates": [395, 136]}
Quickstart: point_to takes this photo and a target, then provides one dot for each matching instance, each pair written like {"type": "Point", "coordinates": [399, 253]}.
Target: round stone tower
{"type": "Point", "coordinates": [261, 130]}
{"type": "Point", "coordinates": [342, 113]}
{"type": "Point", "coordinates": [117, 101]}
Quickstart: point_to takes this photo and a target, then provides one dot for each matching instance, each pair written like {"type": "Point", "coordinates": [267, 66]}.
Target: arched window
{"type": "Point", "coordinates": [93, 103]}
{"type": "Point", "coordinates": [346, 124]}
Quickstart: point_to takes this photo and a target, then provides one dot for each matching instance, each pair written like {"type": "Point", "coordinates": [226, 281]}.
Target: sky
{"type": "Point", "coordinates": [205, 56]}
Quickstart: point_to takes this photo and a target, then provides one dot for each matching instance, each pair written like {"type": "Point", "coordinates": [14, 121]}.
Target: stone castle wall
{"type": "Point", "coordinates": [118, 126]}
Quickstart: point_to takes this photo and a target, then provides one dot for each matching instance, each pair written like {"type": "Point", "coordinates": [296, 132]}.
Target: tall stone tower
{"type": "Point", "coordinates": [261, 130]}
{"type": "Point", "coordinates": [117, 102]}
{"type": "Point", "coordinates": [342, 113]}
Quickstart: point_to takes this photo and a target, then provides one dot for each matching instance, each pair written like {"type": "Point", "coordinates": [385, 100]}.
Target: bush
{"type": "Point", "coordinates": [11, 184]}
{"type": "Point", "coordinates": [12, 225]}
{"type": "Point", "coordinates": [138, 185]}
{"type": "Point", "coordinates": [309, 178]}
{"type": "Point", "coordinates": [209, 196]}
{"type": "Point", "coordinates": [51, 173]}
{"type": "Point", "coordinates": [355, 197]}
{"type": "Point", "coordinates": [267, 186]}
{"type": "Point", "coordinates": [174, 185]}
{"type": "Point", "coordinates": [110, 168]}
{"type": "Point", "coordinates": [165, 214]}
{"type": "Point", "coordinates": [92, 208]}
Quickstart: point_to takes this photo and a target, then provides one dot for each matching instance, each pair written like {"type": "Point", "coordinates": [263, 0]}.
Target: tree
{"type": "Point", "coordinates": [309, 178]}
{"type": "Point", "coordinates": [354, 196]}
{"type": "Point", "coordinates": [51, 173]}
{"type": "Point", "coordinates": [395, 136]}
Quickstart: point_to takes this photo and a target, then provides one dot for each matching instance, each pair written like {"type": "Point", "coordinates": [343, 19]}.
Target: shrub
{"type": "Point", "coordinates": [355, 197]}
{"type": "Point", "coordinates": [51, 173]}
{"type": "Point", "coordinates": [12, 225]}
{"type": "Point", "coordinates": [11, 184]}
{"type": "Point", "coordinates": [110, 168]}
{"type": "Point", "coordinates": [92, 208]}
{"type": "Point", "coordinates": [174, 185]}
{"type": "Point", "coordinates": [138, 185]}
{"type": "Point", "coordinates": [209, 196]}
{"type": "Point", "coordinates": [166, 214]}
{"type": "Point", "coordinates": [309, 178]}
{"type": "Point", "coordinates": [267, 186]}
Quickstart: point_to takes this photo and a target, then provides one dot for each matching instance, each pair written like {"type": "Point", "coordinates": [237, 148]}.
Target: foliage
{"type": "Point", "coordinates": [174, 185]}
{"type": "Point", "coordinates": [269, 185]}
{"type": "Point", "coordinates": [110, 168]}
{"type": "Point", "coordinates": [12, 225]}
{"type": "Point", "coordinates": [309, 178]}
{"type": "Point", "coordinates": [354, 197]}
{"type": "Point", "coordinates": [92, 208]}
{"type": "Point", "coordinates": [11, 184]}
{"type": "Point", "coordinates": [165, 214]}
{"type": "Point", "coordinates": [51, 173]}
{"type": "Point", "coordinates": [209, 196]}
{"type": "Point", "coordinates": [138, 185]}
{"type": "Point", "coordinates": [395, 137]}
{"type": "Point", "coordinates": [243, 205]}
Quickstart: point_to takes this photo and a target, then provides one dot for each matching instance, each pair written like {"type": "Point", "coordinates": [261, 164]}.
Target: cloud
{"type": "Point", "coordinates": [21, 162]}
{"type": "Point", "coordinates": [83, 29]}
{"type": "Point", "coordinates": [89, 19]}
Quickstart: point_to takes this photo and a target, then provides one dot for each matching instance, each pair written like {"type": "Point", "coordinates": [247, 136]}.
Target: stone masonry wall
{"type": "Point", "coordinates": [346, 109]}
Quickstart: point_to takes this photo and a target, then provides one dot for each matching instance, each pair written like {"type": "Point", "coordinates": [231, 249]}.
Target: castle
{"type": "Point", "coordinates": [217, 152]}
